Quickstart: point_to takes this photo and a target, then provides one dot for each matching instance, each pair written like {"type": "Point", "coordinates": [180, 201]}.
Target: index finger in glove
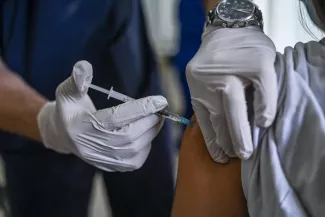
{"type": "Point", "coordinates": [131, 139]}
{"type": "Point", "coordinates": [125, 138]}
{"type": "Point", "coordinates": [237, 117]}
{"type": "Point", "coordinates": [126, 113]}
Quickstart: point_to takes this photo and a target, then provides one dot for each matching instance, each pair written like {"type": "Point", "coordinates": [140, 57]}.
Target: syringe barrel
{"type": "Point", "coordinates": [124, 98]}
{"type": "Point", "coordinates": [120, 96]}
{"type": "Point", "coordinates": [100, 89]}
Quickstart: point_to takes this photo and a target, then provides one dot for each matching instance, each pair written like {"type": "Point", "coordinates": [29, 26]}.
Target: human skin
{"type": "Point", "coordinates": [210, 4]}
{"type": "Point", "coordinates": [19, 105]}
{"type": "Point", "coordinates": [205, 188]}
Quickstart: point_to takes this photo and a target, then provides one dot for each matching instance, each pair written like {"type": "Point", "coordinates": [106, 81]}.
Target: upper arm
{"type": "Point", "coordinates": [205, 188]}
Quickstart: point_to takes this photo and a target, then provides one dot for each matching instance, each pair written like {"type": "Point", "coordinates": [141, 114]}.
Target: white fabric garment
{"type": "Point", "coordinates": [286, 175]}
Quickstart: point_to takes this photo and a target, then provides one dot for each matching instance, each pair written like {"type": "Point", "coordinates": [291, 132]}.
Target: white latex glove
{"type": "Point", "coordinates": [227, 62]}
{"type": "Point", "coordinates": [113, 139]}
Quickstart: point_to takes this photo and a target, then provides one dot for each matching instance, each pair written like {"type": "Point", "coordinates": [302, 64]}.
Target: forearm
{"type": "Point", "coordinates": [210, 4]}
{"type": "Point", "coordinates": [19, 105]}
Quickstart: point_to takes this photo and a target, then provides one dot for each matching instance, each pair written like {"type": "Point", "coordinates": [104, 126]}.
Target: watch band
{"type": "Point", "coordinates": [255, 20]}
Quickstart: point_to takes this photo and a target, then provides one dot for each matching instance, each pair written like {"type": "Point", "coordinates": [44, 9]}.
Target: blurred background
{"type": "Point", "coordinates": [175, 28]}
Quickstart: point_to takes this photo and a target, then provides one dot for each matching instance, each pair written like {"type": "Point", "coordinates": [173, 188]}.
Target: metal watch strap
{"type": "Point", "coordinates": [255, 20]}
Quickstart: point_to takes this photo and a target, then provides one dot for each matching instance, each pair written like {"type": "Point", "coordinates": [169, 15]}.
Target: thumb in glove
{"type": "Point", "coordinates": [73, 91]}
{"type": "Point", "coordinates": [71, 99]}
{"type": "Point", "coordinates": [75, 88]}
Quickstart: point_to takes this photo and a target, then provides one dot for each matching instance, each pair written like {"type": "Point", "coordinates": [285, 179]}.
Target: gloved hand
{"type": "Point", "coordinates": [228, 61]}
{"type": "Point", "coordinates": [113, 139]}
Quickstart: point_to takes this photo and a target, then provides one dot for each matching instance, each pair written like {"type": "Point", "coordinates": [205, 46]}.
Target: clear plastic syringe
{"type": "Point", "coordinates": [121, 97]}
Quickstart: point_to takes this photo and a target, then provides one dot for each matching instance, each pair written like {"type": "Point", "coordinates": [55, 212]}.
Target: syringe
{"type": "Point", "coordinates": [121, 97]}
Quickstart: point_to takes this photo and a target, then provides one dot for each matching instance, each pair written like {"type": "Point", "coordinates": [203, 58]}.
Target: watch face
{"type": "Point", "coordinates": [235, 10]}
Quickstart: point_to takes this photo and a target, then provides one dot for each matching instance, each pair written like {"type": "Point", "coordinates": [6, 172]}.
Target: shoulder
{"type": "Point", "coordinates": [306, 59]}
{"type": "Point", "coordinates": [301, 69]}
{"type": "Point", "coordinates": [294, 143]}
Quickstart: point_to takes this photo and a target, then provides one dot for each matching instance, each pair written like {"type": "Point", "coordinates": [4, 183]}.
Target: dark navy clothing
{"type": "Point", "coordinates": [41, 40]}
{"type": "Point", "coordinates": [191, 17]}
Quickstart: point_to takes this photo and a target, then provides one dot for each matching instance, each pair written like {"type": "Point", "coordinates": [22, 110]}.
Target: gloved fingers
{"type": "Point", "coordinates": [126, 134]}
{"type": "Point", "coordinates": [203, 119]}
{"type": "Point", "coordinates": [130, 149]}
{"type": "Point", "coordinates": [137, 138]}
{"type": "Point", "coordinates": [133, 131]}
{"type": "Point", "coordinates": [137, 160]}
{"type": "Point", "coordinates": [76, 86]}
{"type": "Point", "coordinates": [82, 75]}
{"type": "Point", "coordinates": [87, 104]}
{"type": "Point", "coordinates": [104, 153]}
{"type": "Point", "coordinates": [126, 113]}
{"type": "Point", "coordinates": [223, 139]}
{"type": "Point", "coordinates": [123, 146]}
{"type": "Point", "coordinates": [115, 163]}
{"type": "Point", "coordinates": [265, 97]}
{"type": "Point", "coordinates": [237, 117]}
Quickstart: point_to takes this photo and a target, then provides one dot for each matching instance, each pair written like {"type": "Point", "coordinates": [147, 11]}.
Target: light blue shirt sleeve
{"type": "Point", "coordinates": [286, 175]}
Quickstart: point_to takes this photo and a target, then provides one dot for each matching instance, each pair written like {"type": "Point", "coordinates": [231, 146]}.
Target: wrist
{"type": "Point", "coordinates": [50, 128]}
{"type": "Point", "coordinates": [210, 4]}
{"type": "Point", "coordinates": [35, 107]}
{"type": "Point", "coordinates": [234, 15]}
{"type": "Point", "coordinates": [47, 124]}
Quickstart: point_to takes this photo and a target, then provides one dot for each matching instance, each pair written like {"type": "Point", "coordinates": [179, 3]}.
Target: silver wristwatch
{"type": "Point", "coordinates": [235, 14]}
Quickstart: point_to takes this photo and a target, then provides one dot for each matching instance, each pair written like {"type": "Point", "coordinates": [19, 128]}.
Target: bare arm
{"type": "Point", "coordinates": [210, 4]}
{"type": "Point", "coordinates": [205, 188]}
{"type": "Point", "coordinates": [19, 105]}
